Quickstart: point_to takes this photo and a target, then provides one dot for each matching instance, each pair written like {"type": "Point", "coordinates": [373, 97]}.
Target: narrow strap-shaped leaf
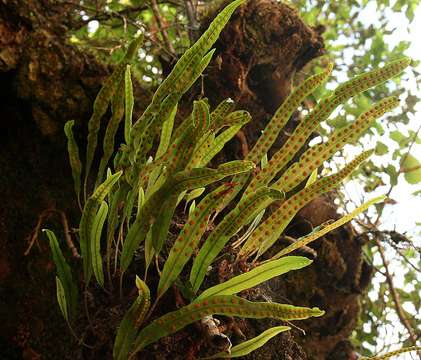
{"type": "Point", "coordinates": [149, 251]}
{"type": "Point", "coordinates": [131, 322]}
{"type": "Point", "coordinates": [201, 47]}
{"type": "Point", "coordinates": [64, 275]}
{"type": "Point", "coordinates": [239, 117]}
{"type": "Point", "coordinates": [232, 222]}
{"type": "Point", "coordinates": [246, 347]}
{"type": "Point", "coordinates": [190, 76]}
{"type": "Point", "coordinates": [392, 353]}
{"type": "Point", "coordinates": [284, 112]}
{"type": "Point", "coordinates": [61, 298]}
{"type": "Point", "coordinates": [75, 162]}
{"type": "Point", "coordinates": [101, 103]}
{"type": "Point", "coordinates": [86, 222]}
{"type": "Point", "coordinates": [188, 240]}
{"type": "Point", "coordinates": [160, 227]}
{"type": "Point", "coordinates": [316, 155]}
{"type": "Point", "coordinates": [203, 147]}
{"type": "Point", "coordinates": [97, 226]}
{"type": "Point", "coordinates": [166, 133]}
{"type": "Point", "coordinates": [184, 180]}
{"type": "Point", "coordinates": [321, 111]}
{"type": "Point", "coordinates": [200, 177]}
{"type": "Point", "coordinates": [151, 130]}
{"type": "Point", "coordinates": [218, 144]}
{"type": "Point", "coordinates": [193, 58]}
{"type": "Point", "coordinates": [270, 230]}
{"type": "Point", "coordinates": [221, 305]}
{"type": "Point", "coordinates": [222, 110]}
{"type": "Point", "coordinates": [115, 200]}
{"type": "Point", "coordinates": [128, 103]}
{"type": "Point", "coordinates": [303, 241]}
{"type": "Point", "coordinates": [256, 276]}
{"type": "Point", "coordinates": [111, 130]}
{"type": "Point", "coordinates": [372, 78]}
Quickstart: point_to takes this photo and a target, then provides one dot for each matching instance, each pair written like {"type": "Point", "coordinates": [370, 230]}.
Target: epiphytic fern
{"type": "Point", "coordinates": [138, 199]}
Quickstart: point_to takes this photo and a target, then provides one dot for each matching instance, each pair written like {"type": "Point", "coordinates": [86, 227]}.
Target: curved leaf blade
{"type": "Point", "coordinates": [96, 231]}
{"type": "Point", "coordinates": [256, 276]}
{"type": "Point", "coordinates": [221, 305]}
{"type": "Point", "coordinates": [249, 346]}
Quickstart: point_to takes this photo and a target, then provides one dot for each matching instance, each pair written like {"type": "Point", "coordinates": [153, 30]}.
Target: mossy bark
{"type": "Point", "coordinates": [45, 81]}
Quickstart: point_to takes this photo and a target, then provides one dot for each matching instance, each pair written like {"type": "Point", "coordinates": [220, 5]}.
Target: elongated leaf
{"type": "Point", "coordinates": [184, 180]}
{"type": "Point", "coordinates": [86, 222]}
{"type": "Point", "coordinates": [316, 155]}
{"type": "Point", "coordinates": [196, 178]}
{"type": "Point", "coordinates": [101, 103]}
{"type": "Point", "coordinates": [111, 130]}
{"type": "Point", "coordinates": [61, 298]}
{"type": "Point", "coordinates": [372, 78]}
{"type": "Point", "coordinates": [239, 117]}
{"type": "Point", "coordinates": [270, 230]}
{"type": "Point", "coordinates": [131, 322]}
{"type": "Point", "coordinates": [222, 110]}
{"type": "Point", "coordinates": [75, 162]}
{"type": "Point", "coordinates": [66, 288]}
{"type": "Point", "coordinates": [166, 133]}
{"type": "Point", "coordinates": [284, 112]}
{"type": "Point", "coordinates": [247, 210]}
{"type": "Point", "coordinates": [128, 103]}
{"type": "Point", "coordinates": [222, 305]}
{"type": "Point", "coordinates": [146, 138]}
{"type": "Point", "coordinates": [249, 346]}
{"type": "Point", "coordinates": [303, 241]}
{"type": "Point", "coordinates": [115, 200]}
{"type": "Point", "coordinates": [160, 227]}
{"type": "Point", "coordinates": [97, 226]}
{"type": "Point", "coordinates": [256, 276]}
{"type": "Point", "coordinates": [188, 240]}
{"type": "Point", "coordinates": [218, 144]}
{"type": "Point", "coordinates": [323, 109]}
{"type": "Point", "coordinates": [187, 68]}
{"type": "Point", "coordinates": [189, 77]}
{"type": "Point", "coordinates": [392, 353]}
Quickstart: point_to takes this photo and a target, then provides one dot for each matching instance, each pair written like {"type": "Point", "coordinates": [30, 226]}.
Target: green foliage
{"type": "Point", "coordinates": [256, 276]}
{"type": "Point", "coordinates": [221, 305]}
{"type": "Point", "coordinates": [131, 322]}
{"type": "Point", "coordinates": [248, 346]}
{"type": "Point", "coordinates": [74, 159]}
{"type": "Point", "coordinates": [66, 287]}
{"type": "Point", "coordinates": [147, 187]}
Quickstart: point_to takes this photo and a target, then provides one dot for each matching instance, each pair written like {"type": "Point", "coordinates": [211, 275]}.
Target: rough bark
{"type": "Point", "coordinates": [45, 82]}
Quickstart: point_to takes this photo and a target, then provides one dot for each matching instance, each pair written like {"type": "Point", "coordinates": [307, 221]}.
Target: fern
{"type": "Point", "coordinates": [138, 201]}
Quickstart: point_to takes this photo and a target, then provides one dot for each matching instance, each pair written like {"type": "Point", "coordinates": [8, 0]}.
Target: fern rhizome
{"type": "Point", "coordinates": [126, 216]}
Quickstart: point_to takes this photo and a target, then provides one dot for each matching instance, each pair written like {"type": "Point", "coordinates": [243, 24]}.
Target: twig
{"type": "Point", "coordinates": [160, 23]}
{"type": "Point", "coordinates": [389, 279]}
{"type": "Point", "coordinates": [67, 232]}
{"type": "Point", "coordinates": [194, 25]}
{"type": "Point", "coordinates": [67, 235]}
{"type": "Point", "coordinates": [395, 296]}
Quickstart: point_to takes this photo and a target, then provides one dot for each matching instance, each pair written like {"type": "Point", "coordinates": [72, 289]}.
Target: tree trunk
{"type": "Point", "coordinates": [45, 82]}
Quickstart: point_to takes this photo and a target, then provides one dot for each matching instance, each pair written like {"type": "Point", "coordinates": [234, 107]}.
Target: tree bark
{"type": "Point", "coordinates": [45, 81]}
